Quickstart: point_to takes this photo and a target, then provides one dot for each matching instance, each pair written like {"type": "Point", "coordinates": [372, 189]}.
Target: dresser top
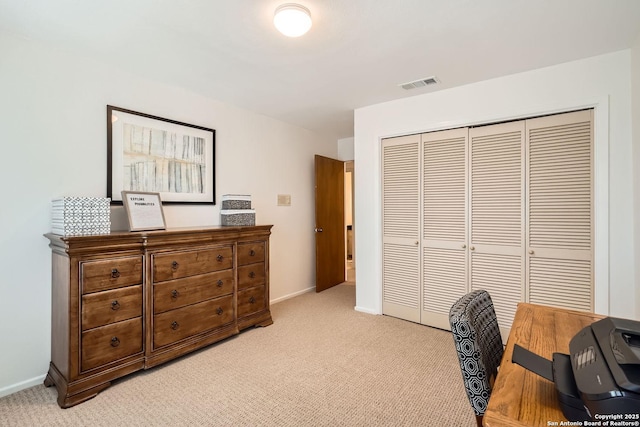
{"type": "Point", "coordinates": [141, 239]}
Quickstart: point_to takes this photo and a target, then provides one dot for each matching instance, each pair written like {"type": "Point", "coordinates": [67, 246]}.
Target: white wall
{"type": "Point", "coordinates": [635, 114]}
{"type": "Point", "coordinates": [603, 82]}
{"type": "Point", "coordinates": [53, 136]}
{"type": "Point", "coordinates": [345, 149]}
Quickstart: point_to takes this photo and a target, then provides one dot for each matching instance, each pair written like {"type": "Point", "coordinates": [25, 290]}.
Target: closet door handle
{"type": "Point", "coordinates": [464, 246]}
{"type": "Point", "coordinates": [473, 248]}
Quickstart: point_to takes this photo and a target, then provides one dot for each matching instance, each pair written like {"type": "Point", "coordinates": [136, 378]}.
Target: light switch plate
{"type": "Point", "coordinates": [284, 199]}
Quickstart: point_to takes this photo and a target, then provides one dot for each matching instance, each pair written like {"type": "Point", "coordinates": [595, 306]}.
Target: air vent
{"type": "Point", "coordinates": [420, 83]}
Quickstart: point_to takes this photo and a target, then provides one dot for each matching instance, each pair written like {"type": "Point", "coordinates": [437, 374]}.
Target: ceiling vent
{"type": "Point", "coordinates": [420, 83]}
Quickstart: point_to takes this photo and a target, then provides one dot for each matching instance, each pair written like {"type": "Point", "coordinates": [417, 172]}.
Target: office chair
{"type": "Point", "coordinates": [479, 346]}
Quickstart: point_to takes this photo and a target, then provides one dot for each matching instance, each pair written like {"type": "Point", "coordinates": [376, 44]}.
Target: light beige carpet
{"type": "Point", "coordinates": [320, 364]}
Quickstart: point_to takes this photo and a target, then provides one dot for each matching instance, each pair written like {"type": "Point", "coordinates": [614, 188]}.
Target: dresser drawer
{"type": "Point", "coordinates": [110, 273]}
{"type": "Point", "coordinates": [110, 343]}
{"type": "Point", "coordinates": [190, 290]}
{"type": "Point", "coordinates": [251, 275]}
{"type": "Point", "coordinates": [250, 253]}
{"type": "Point", "coordinates": [101, 308]}
{"type": "Point", "coordinates": [176, 265]}
{"type": "Point", "coordinates": [251, 301]}
{"type": "Point", "coordinates": [184, 322]}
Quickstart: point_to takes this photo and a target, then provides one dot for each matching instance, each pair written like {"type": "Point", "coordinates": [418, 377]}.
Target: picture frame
{"type": "Point", "coordinates": [144, 210]}
{"type": "Point", "coordinates": [148, 153]}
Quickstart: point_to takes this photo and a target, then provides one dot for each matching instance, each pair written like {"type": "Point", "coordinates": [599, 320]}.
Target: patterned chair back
{"type": "Point", "coordinates": [479, 346]}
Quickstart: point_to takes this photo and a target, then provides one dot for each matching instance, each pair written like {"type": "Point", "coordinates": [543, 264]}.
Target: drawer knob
{"type": "Point", "coordinates": [252, 253]}
{"type": "Point", "coordinates": [219, 258]}
{"type": "Point", "coordinates": [252, 274]}
{"type": "Point", "coordinates": [175, 325]}
{"type": "Point", "coordinates": [115, 342]}
{"type": "Point", "coordinates": [175, 265]}
{"type": "Point", "coordinates": [115, 273]}
{"type": "Point", "coordinates": [219, 311]}
{"type": "Point", "coordinates": [252, 300]}
{"type": "Point", "coordinates": [174, 294]}
{"type": "Point", "coordinates": [220, 283]}
{"type": "Point", "coordinates": [115, 305]}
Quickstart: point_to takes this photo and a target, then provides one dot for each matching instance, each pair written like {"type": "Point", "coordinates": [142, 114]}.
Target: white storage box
{"type": "Point", "coordinates": [236, 217]}
{"type": "Point", "coordinates": [81, 216]}
{"type": "Point", "coordinates": [236, 201]}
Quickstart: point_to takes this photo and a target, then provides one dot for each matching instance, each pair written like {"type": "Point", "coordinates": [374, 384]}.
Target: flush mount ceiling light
{"type": "Point", "coordinates": [292, 20]}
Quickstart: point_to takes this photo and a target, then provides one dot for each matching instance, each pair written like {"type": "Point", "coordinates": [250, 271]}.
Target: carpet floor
{"type": "Point", "coordinates": [320, 364]}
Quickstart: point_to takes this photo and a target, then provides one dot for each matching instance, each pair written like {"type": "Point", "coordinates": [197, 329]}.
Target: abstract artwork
{"type": "Point", "coordinates": [151, 154]}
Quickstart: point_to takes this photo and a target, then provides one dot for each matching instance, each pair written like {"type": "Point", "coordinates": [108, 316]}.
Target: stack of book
{"type": "Point", "coordinates": [236, 210]}
{"type": "Point", "coordinates": [81, 216]}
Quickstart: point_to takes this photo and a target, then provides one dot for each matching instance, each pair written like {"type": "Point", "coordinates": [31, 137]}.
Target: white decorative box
{"type": "Point", "coordinates": [81, 216]}
{"type": "Point", "coordinates": [236, 201]}
{"type": "Point", "coordinates": [236, 217]}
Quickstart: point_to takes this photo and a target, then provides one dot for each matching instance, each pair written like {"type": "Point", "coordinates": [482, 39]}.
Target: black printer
{"type": "Point", "coordinates": [601, 375]}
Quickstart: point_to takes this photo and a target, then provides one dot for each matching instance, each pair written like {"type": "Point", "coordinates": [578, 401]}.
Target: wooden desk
{"type": "Point", "coordinates": [520, 397]}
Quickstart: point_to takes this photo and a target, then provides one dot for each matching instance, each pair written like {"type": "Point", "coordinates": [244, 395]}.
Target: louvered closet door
{"type": "Point", "coordinates": [444, 254]}
{"type": "Point", "coordinates": [560, 226]}
{"type": "Point", "coordinates": [401, 227]}
{"type": "Point", "coordinates": [496, 229]}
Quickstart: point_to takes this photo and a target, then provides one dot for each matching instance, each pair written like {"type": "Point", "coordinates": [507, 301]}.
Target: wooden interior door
{"type": "Point", "coordinates": [330, 228]}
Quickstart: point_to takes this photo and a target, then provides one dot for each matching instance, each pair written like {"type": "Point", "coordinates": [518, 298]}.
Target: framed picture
{"type": "Point", "coordinates": [151, 154]}
{"type": "Point", "coordinates": [144, 210]}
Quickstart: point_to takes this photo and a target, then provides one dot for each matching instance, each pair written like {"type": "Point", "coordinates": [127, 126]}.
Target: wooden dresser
{"type": "Point", "coordinates": [128, 301]}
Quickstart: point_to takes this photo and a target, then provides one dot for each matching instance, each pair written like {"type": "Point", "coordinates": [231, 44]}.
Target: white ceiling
{"type": "Point", "coordinates": [356, 53]}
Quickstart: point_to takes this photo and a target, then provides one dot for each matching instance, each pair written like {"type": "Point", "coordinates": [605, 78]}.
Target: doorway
{"type": "Point", "coordinates": [335, 228]}
{"type": "Point", "coordinates": [350, 261]}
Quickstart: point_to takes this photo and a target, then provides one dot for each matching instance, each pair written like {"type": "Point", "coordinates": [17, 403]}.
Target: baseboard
{"type": "Point", "coordinates": [365, 310]}
{"type": "Point", "coordinates": [14, 388]}
{"type": "Point", "coordinates": [295, 294]}
{"type": "Point", "coordinates": [311, 289]}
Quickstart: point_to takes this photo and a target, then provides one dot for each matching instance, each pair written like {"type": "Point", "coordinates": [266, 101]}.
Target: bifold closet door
{"type": "Point", "coordinates": [507, 208]}
{"type": "Point", "coordinates": [444, 224]}
{"type": "Point", "coordinates": [401, 227]}
{"type": "Point", "coordinates": [496, 215]}
{"type": "Point", "coordinates": [560, 210]}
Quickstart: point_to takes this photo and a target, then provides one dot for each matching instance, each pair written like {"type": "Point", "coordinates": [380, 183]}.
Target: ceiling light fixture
{"type": "Point", "coordinates": [292, 20]}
